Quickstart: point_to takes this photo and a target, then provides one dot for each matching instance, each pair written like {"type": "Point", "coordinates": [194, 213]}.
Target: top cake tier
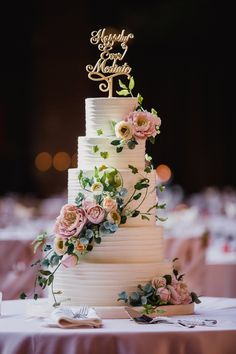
{"type": "Point", "coordinates": [100, 112]}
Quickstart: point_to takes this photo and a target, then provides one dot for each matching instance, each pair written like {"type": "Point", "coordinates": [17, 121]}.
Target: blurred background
{"type": "Point", "coordinates": [182, 63]}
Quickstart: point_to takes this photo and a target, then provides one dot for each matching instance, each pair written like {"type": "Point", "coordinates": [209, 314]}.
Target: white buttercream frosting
{"type": "Point", "coordinates": [101, 111]}
{"type": "Point", "coordinates": [134, 253]}
{"type": "Point", "coordinates": [88, 159]}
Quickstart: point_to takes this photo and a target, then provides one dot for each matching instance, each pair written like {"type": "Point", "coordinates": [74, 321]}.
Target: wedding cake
{"type": "Point", "coordinates": [134, 253]}
{"type": "Point", "coordinates": [107, 248]}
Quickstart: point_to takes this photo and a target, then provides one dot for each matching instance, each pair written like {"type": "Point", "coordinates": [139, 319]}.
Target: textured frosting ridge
{"type": "Point", "coordinates": [101, 111]}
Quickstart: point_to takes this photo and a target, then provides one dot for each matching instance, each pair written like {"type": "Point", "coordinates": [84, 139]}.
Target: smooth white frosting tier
{"type": "Point", "coordinates": [129, 180]}
{"type": "Point", "coordinates": [100, 111]}
{"type": "Point", "coordinates": [99, 284]}
{"type": "Point", "coordinates": [88, 159]}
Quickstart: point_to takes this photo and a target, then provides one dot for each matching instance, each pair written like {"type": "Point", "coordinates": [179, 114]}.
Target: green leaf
{"type": "Point", "coordinates": [45, 272]}
{"type": "Point", "coordinates": [162, 188]}
{"type": "Point", "coordinates": [152, 139]}
{"type": "Point", "coordinates": [175, 259]}
{"type": "Point", "coordinates": [99, 132]}
{"type": "Point", "coordinates": [123, 92]}
{"type": "Point", "coordinates": [98, 240]}
{"type": "Point", "coordinates": [161, 206]}
{"type": "Point", "coordinates": [131, 144]}
{"type": "Point", "coordinates": [137, 196]}
{"type": "Point", "coordinates": [161, 219]}
{"type": "Point", "coordinates": [133, 169]}
{"type": "Point", "coordinates": [144, 217]}
{"type": "Point", "coordinates": [153, 111]}
{"type": "Point", "coordinates": [36, 296]}
{"type": "Point", "coordinates": [45, 262]}
{"type": "Point", "coordinates": [54, 260]}
{"type": "Point", "coordinates": [50, 279]}
{"type": "Point", "coordinates": [195, 298]}
{"type": "Point", "coordinates": [123, 296]}
{"type": "Point", "coordinates": [122, 85]}
{"type": "Point", "coordinates": [104, 154]}
{"type": "Point", "coordinates": [140, 99]}
{"type": "Point", "coordinates": [168, 279]}
{"type": "Point", "coordinates": [119, 149]}
{"type": "Point", "coordinates": [23, 296]}
{"type": "Point", "coordinates": [95, 149]}
{"type": "Point", "coordinates": [140, 185]}
{"type": "Point", "coordinates": [113, 124]}
{"type": "Point", "coordinates": [135, 213]}
{"type": "Point", "coordinates": [131, 83]}
{"type": "Point", "coordinates": [115, 142]}
{"type": "Point", "coordinates": [123, 219]}
{"type": "Point", "coordinates": [70, 248]}
{"type": "Point", "coordinates": [148, 169]}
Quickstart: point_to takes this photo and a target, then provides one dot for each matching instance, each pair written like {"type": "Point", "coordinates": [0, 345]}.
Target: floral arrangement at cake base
{"type": "Point", "coordinates": [161, 294]}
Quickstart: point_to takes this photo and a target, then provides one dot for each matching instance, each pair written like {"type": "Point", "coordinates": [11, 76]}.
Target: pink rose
{"type": "Point", "coordinates": [175, 298]}
{"type": "Point", "coordinates": [164, 294]}
{"type": "Point", "coordinates": [145, 124]}
{"type": "Point", "coordinates": [70, 221]}
{"type": "Point", "coordinates": [158, 282]}
{"type": "Point", "coordinates": [69, 260]}
{"type": "Point", "coordinates": [95, 213]}
{"type": "Point", "coordinates": [182, 290]}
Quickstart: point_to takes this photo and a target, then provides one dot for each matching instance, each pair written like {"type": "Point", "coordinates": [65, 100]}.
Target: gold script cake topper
{"type": "Point", "coordinates": [107, 65]}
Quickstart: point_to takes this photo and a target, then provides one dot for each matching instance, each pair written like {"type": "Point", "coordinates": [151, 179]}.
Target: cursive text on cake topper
{"type": "Point", "coordinates": [107, 65]}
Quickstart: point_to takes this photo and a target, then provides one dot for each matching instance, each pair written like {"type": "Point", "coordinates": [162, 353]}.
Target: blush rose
{"type": "Point", "coordinates": [70, 221]}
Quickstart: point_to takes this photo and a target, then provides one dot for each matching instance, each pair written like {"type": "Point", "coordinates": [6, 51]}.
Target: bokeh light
{"type": "Point", "coordinates": [61, 161]}
{"type": "Point", "coordinates": [163, 173]}
{"type": "Point", "coordinates": [43, 161]}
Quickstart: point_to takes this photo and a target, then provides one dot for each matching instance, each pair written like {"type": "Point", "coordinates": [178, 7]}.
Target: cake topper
{"type": "Point", "coordinates": [107, 65]}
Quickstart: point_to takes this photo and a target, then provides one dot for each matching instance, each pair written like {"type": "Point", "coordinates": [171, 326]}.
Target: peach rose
{"type": "Point", "coordinates": [164, 294]}
{"type": "Point", "coordinates": [109, 204]}
{"type": "Point", "coordinates": [158, 282]}
{"type": "Point", "coordinates": [145, 124]}
{"type": "Point", "coordinates": [70, 221]}
{"type": "Point", "coordinates": [182, 290]}
{"type": "Point", "coordinates": [79, 246]}
{"type": "Point", "coordinates": [69, 260]}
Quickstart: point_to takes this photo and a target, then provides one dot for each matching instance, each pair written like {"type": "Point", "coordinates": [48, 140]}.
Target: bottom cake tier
{"type": "Point", "coordinates": [98, 284]}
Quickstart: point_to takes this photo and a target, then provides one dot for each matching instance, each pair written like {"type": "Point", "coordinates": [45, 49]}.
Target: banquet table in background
{"type": "Point", "coordinates": [20, 334]}
{"type": "Point", "coordinates": [16, 274]}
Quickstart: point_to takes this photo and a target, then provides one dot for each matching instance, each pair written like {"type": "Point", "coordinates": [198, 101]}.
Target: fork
{"type": "Point", "coordinates": [82, 313]}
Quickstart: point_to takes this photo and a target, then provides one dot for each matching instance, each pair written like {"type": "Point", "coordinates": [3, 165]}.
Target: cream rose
{"type": "Point", "coordinates": [70, 221]}
{"type": "Point", "coordinates": [59, 245]}
{"type": "Point", "coordinates": [114, 217]}
{"type": "Point", "coordinates": [97, 188]}
{"type": "Point", "coordinates": [124, 130]}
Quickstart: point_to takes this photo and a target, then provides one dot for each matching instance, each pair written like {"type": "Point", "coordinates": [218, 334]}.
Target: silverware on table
{"type": "Point", "coordinates": [189, 323]}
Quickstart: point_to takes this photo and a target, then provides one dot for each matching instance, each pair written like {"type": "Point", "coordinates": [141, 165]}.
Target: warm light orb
{"type": "Point", "coordinates": [61, 161]}
{"type": "Point", "coordinates": [163, 173]}
{"type": "Point", "coordinates": [43, 161]}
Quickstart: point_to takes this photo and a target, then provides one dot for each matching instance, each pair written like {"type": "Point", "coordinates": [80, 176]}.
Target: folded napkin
{"type": "Point", "coordinates": [67, 317]}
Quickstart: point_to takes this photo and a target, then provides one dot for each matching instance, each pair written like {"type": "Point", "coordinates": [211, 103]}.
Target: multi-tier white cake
{"type": "Point", "coordinates": [132, 255]}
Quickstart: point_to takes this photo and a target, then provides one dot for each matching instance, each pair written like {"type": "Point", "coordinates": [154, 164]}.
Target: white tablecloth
{"type": "Point", "coordinates": [20, 334]}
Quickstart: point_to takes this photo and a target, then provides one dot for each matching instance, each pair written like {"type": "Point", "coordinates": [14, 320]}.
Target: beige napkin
{"type": "Point", "coordinates": [65, 317]}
